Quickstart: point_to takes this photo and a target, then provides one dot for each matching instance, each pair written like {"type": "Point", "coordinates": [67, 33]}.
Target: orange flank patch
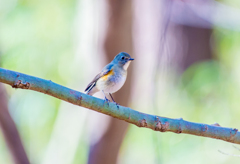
{"type": "Point", "coordinates": [110, 73]}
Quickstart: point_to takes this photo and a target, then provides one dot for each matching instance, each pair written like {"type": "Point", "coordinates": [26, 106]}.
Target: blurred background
{"type": "Point", "coordinates": [187, 64]}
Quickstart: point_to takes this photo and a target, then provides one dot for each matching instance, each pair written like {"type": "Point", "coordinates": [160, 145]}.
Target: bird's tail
{"type": "Point", "coordinates": [92, 91]}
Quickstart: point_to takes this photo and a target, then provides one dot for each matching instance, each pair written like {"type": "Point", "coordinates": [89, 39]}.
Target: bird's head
{"type": "Point", "coordinates": [123, 59]}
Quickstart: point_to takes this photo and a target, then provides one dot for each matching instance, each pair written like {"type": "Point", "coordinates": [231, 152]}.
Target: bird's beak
{"type": "Point", "coordinates": [130, 59]}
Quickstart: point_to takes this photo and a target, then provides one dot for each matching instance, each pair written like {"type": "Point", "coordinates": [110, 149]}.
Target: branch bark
{"type": "Point", "coordinates": [157, 123]}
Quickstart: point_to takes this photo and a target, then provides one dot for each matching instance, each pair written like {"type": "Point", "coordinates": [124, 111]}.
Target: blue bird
{"type": "Point", "coordinates": [112, 77]}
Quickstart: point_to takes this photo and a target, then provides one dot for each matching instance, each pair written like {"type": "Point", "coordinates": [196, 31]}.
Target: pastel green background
{"type": "Point", "coordinates": [38, 38]}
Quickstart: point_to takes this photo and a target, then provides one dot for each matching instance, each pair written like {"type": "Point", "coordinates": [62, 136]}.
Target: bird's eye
{"type": "Point", "coordinates": [123, 58]}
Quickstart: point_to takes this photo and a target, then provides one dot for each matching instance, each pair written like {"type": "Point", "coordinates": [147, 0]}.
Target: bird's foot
{"type": "Point", "coordinates": [106, 101]}
{"type": "Point", "coordinates": [116, 104]}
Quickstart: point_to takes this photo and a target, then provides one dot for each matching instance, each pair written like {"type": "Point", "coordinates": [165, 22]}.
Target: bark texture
{"type": "Point", "coordinates": [157, 123]}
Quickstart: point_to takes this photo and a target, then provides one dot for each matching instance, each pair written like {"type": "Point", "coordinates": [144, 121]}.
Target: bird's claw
{"type": "Point", "coordinates": [106, 101]}
{"type": "Point", "coordinates": [117, 104]}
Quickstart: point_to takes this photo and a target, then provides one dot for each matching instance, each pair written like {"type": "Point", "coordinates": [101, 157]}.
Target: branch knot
{"type": "Point", "coordinates": [204, 128]}
{"type": "Point", "coordinates": [21, 85]}
{"type": "Point", "coordinates": [179, 126]}
{"type": "Point", "coordinates": [162, 127]}
{"type": "Point", "coordinates": [158, 126]}
{"type": "Point", "coordinates": [233, 132]}
{"type": "Point", "coordinates": [143, 123]}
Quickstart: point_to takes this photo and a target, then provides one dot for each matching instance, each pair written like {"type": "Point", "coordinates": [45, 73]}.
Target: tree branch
{"type": "Point", "coordinates": [162, 124]}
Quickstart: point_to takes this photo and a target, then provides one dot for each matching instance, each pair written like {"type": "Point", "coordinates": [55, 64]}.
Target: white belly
{"type": "Point", "coordinates": [111, 87]}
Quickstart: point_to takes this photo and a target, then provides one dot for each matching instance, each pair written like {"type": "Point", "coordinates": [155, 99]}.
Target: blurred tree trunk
{"type": "Point", "coordinates": [198, 49]}
{"type": "Point", "coordinates": [191, 40]}
{"type": "Point", "coordinates": [10, 131]}
{"type": "Point", "coordinates": [118, 38]}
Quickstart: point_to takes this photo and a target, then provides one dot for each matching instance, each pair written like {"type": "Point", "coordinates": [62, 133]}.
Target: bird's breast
{"type": "Point", "coordinates": [112, 83]}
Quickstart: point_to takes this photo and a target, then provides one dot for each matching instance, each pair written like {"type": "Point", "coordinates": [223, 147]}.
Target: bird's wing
{"type": "Point", "coordinates": [104, 72]}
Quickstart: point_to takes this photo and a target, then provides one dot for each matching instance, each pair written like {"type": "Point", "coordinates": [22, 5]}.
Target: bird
{"type": "Point", "coordinates": [112, 77]}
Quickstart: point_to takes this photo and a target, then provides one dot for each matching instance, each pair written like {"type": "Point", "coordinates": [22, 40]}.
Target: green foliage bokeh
{"type": "Point", "coordinates": [37, 38]}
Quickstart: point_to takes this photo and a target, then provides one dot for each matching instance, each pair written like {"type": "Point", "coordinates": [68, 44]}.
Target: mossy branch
{"type": "Point", "coordinates": [157, 123]}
